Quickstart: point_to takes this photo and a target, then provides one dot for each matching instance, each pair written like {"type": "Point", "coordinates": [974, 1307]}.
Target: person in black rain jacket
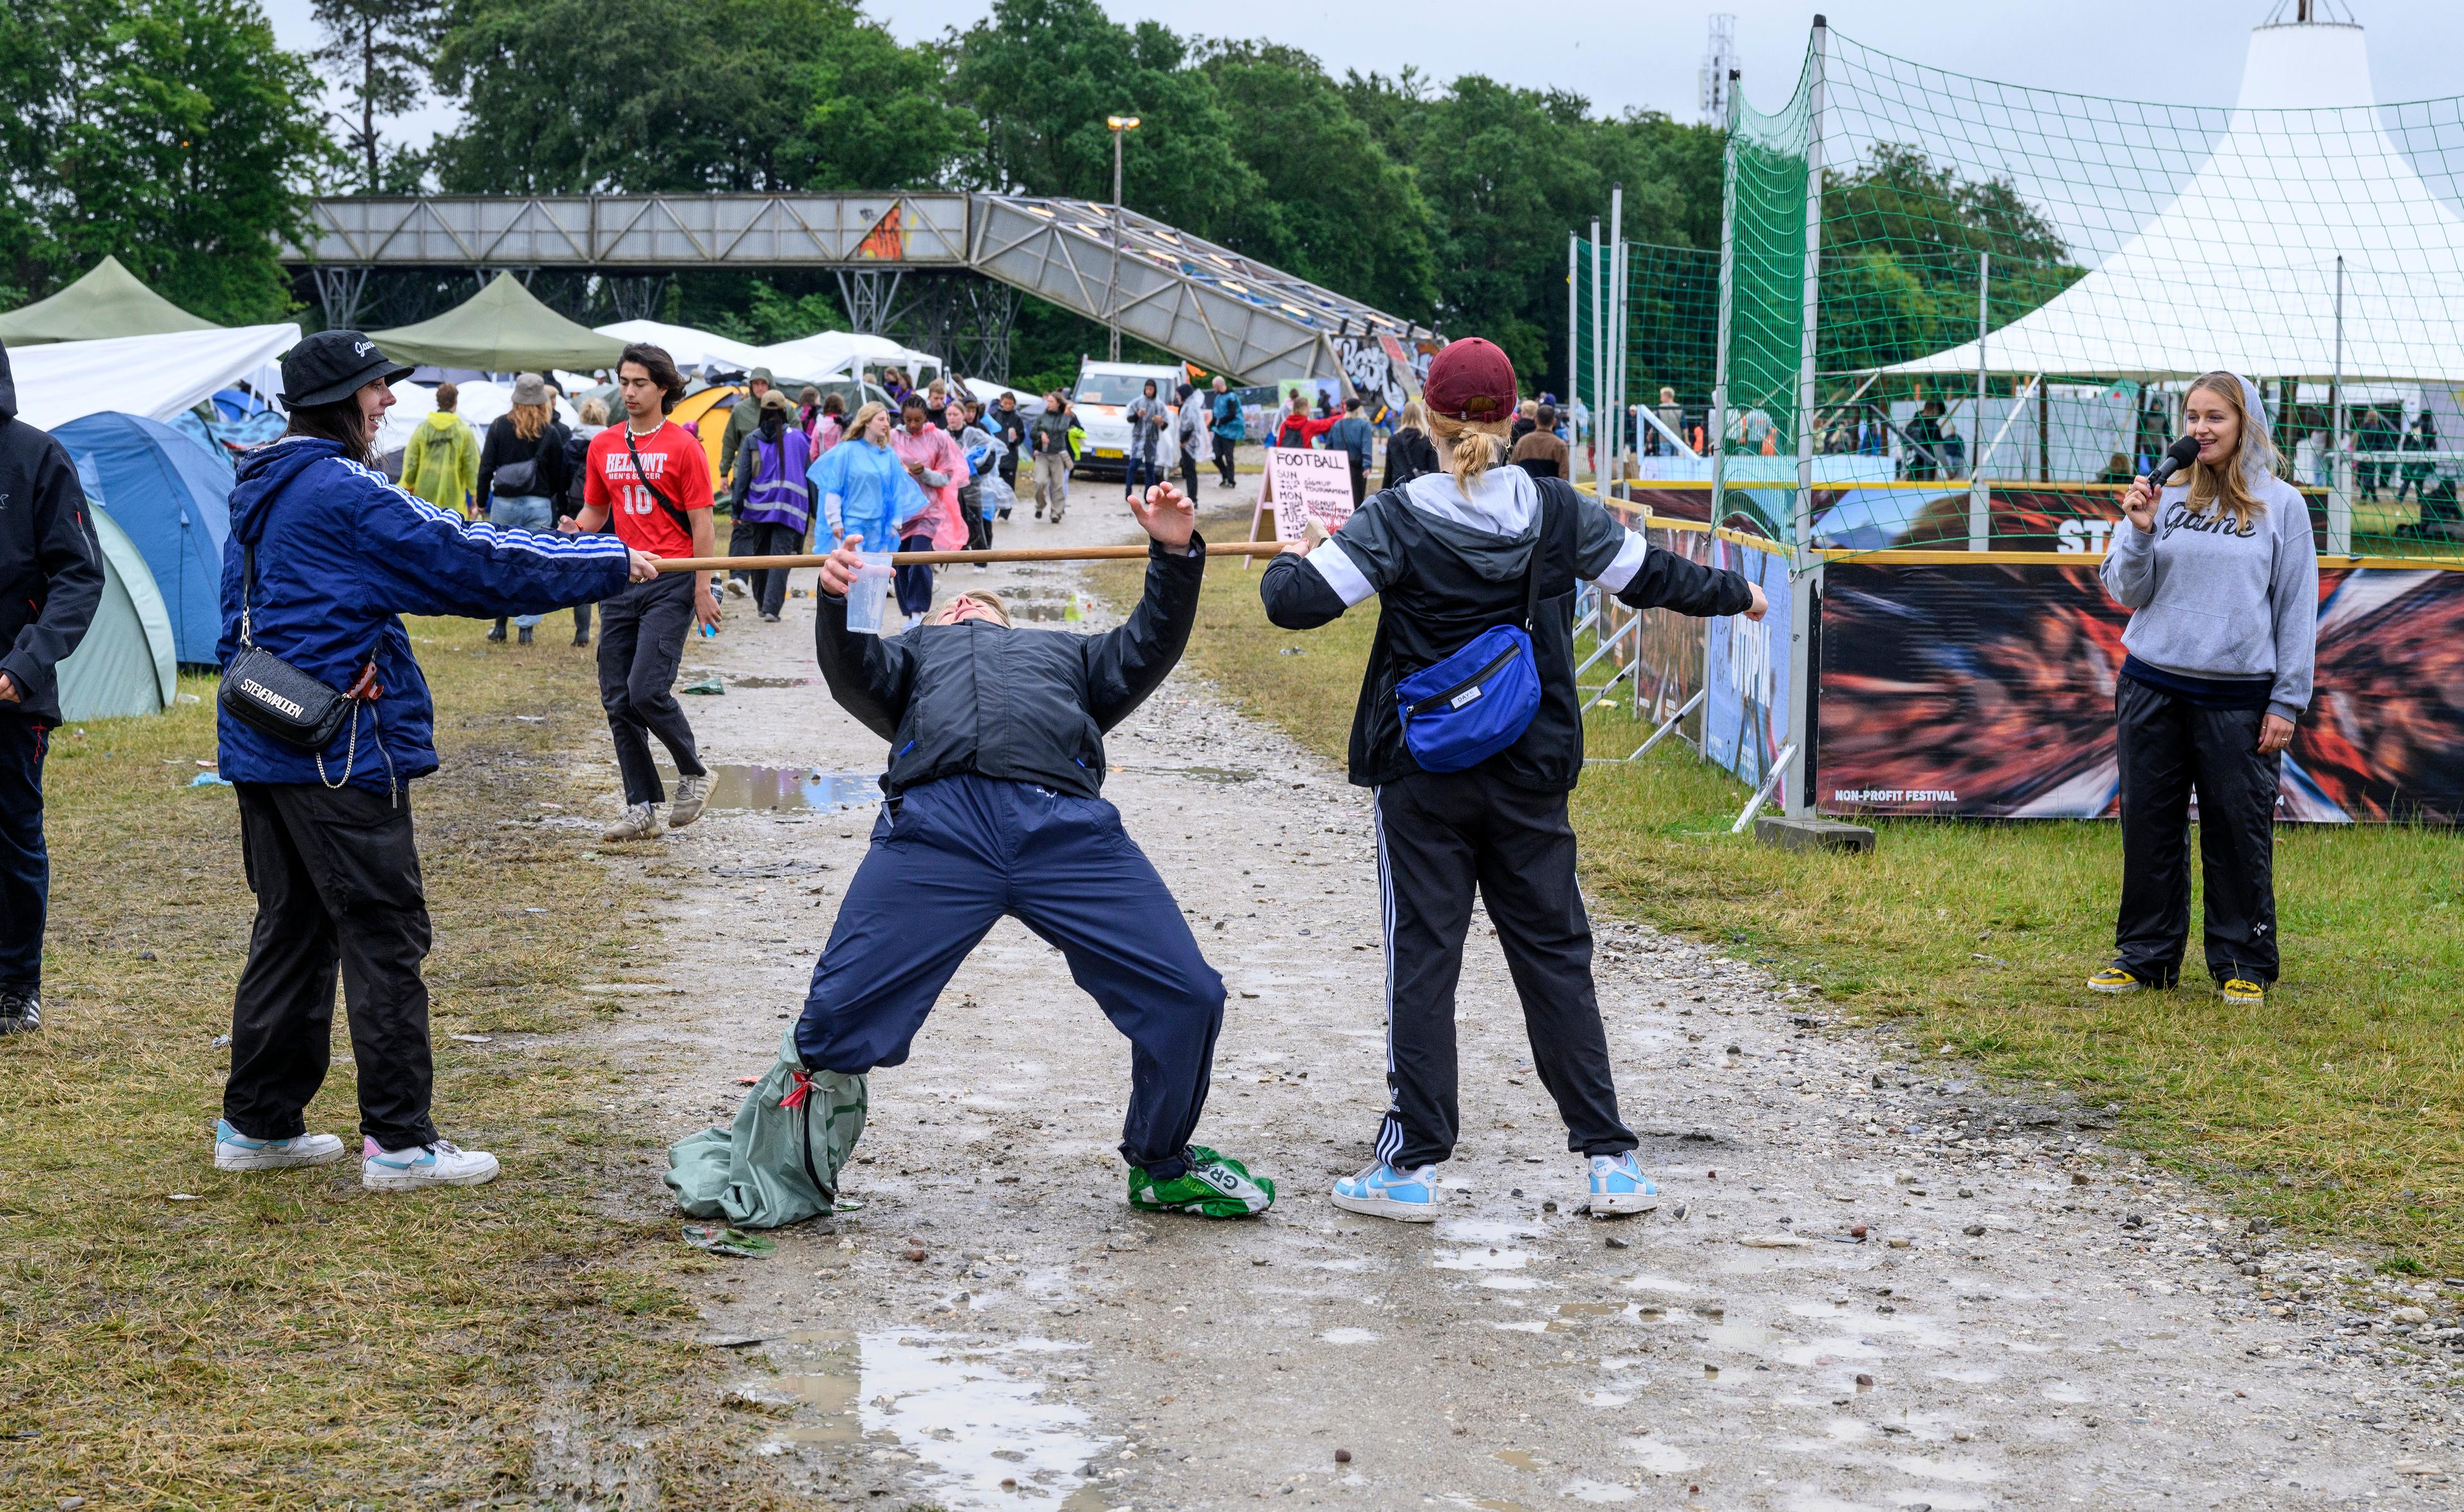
{"type": "Point", "coordinates": [1446, 556]}
{"type": "Point", "coordinates": [51, 580]}
{"type": "Point", "coordinates": [995, 807]}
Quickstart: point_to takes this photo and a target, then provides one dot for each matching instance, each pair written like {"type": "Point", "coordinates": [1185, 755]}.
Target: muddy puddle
{"type": "Point", "coordinates": [740, 787]}
{"type": "Point", "coordinates": [1219, 776]}
{"type": "Point", "coordinates": [982, 1426]}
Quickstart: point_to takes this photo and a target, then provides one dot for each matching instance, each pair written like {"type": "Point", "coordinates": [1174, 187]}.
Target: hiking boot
{"type": "Point", "coordinates": [2242, 990]}
{"type": "Point", "coordinates": [691, 791]}
{"type": "Point", "coordinates": [20, 1012]}
{"type": "Point", "coordinates": [2114, 980]}
{"type": "Point", "coordinates": [1619, 1189]}
{"type": "Point", "coordinates": [498, 633]}
{"type": "Point", "coordinates": [641, 822]}
{"type": "Point", "coordinates": [442, 1164]}
{"type": "Point", "coordinates": [1215, 1185]}
{"type": "Point", "coordinates": [234, 1150]}
{"type": "Point", "coordinates": [524, 637]}
{"type": "Point", "coordinates": [1382, 1192]}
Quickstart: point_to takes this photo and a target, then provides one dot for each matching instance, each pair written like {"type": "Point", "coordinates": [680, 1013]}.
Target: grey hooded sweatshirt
{"type": "Point", "coordinates": [2212, 599]}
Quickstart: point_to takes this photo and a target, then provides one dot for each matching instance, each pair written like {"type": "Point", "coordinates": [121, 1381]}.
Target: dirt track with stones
{"type": "Point", "coordinates": [2030, 1319]}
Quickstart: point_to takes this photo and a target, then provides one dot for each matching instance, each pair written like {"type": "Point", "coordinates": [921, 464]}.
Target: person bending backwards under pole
{"type": "Point", "coordinates": [1446, 556]}
{"type": "Point", "coordinates": [994, 790]}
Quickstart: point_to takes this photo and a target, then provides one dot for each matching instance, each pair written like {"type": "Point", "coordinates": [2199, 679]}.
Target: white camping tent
{"type": "Point", "coordinates": [835, 354]}
{"type": "Point", "coordinates": [125, 665]}
{"type": "Point", "coordinates": [690, 347]}
{"type": "Point", "coordinates": [478, 400]}
{"type": "Point", "coordinates": [2239, 271]}
{"type": "Point", "coordinates": [154, 376]}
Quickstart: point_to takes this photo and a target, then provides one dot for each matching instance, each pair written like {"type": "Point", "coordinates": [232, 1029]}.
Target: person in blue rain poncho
{"type": "Point", "coordinates": [863, 488]}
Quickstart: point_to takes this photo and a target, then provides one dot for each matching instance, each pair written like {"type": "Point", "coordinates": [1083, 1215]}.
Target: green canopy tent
{"type": "Point", "coordinates": [501, 330]}
{"type": "Point", "coordinates": [108, 302]}
{"type": "Point", "coordinates": [125, 665]}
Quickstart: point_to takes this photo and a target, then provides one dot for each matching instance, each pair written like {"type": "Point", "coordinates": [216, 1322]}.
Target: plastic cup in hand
{"type": "Point", "coordinates": [866, 592]}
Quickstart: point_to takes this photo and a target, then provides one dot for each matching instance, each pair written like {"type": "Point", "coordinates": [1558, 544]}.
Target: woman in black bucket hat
{"type": "Point", "coordinates": [324, 557]}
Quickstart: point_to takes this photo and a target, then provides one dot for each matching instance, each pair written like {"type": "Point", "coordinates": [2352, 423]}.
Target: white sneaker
{"type": "Point", "coordinates": [641, 822]}
{"type": "Point", "coordinates": [739, 588]}
{"type": "Point", "coordinates": [686, 806]}
{"type": "Point", "coordinates": [234, 1150]}
{"type": "Point", "coordinates": [442, 1164]}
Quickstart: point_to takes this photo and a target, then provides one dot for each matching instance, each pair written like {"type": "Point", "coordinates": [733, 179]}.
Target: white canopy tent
{"type": "Point", "coordinates": [2240, 269]}
{"type": "Point", "coordinates": [478, 400]}
{"type": "Point", "coordinates": [837, 354]}
{"type": "Point", "coordinates": [154, 376]}
{"type": "Point", "coordinates": [690, 348]}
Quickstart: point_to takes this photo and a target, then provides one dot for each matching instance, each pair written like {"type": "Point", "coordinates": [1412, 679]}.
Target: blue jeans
{"type": "Point", "coordinates": [1140, 469]}
{"type": "Point", "coordinates": [532, 512]}
{"type": "Point", "coordinates": [948, 859]}
{"type": "Point", "coordinates": [25, 864]}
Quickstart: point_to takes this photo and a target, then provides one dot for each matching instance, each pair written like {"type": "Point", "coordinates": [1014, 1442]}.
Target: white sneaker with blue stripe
{"type": "Point", "coordinates": [442, 1164]}
{"type": "Point", "coordinates": [1620, 1188]}
{"type": "Point", "coordinates": [234, 1150]}
{"type": "Point", "coordinates": [1382, 1192]}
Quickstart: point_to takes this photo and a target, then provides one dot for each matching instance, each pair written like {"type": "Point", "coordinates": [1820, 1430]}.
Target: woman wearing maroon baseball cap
{"type": "Point", "coordinates": [1470, 734]}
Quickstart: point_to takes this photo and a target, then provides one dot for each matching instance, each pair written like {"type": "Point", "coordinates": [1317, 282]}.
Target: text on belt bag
{"type": "Point", "coordinates": [1478, 701]}
{"type": "Point", "coordinates": [266, 693]}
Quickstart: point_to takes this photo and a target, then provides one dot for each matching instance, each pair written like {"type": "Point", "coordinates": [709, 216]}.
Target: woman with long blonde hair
{"type": "Point", "coordinates": [863, 487]}
{"type": "Point", "coordinates": [2221, 578]}
{"type": "Point", "coordinates": [1470, 734]}
{"type": "Point", "coordinates": [1409, 452]}
{"type": "Point", "coordinates": [523, 469]}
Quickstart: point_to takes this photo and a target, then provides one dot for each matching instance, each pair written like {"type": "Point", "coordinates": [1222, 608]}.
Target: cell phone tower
{"type": "Point", "coordinates": [1719, 70]}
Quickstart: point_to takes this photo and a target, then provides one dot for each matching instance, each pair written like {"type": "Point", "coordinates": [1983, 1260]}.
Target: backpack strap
{"type": "Point", "coordinates": [682, 521]}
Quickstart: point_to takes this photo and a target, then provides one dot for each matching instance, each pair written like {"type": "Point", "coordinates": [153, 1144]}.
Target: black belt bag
{"type": "Point", "coordinates": [266, 693]}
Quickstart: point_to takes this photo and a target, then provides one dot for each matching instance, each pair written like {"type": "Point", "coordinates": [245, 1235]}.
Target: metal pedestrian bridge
{"type": "Point", "coordinates": [1200, 301]}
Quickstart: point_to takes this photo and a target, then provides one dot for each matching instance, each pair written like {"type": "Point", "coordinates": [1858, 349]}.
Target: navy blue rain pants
{"type": "Point", "coordinates": [948, 859]}
{"type": "Point", "coordinates": [25, 866]}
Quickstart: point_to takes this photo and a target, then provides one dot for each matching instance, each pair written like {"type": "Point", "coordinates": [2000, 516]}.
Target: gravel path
{"type": "Point", "coordinates": [2030, 1319]}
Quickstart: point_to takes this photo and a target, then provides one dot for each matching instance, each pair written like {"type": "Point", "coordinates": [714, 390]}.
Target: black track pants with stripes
{"type": "Point", "coordinates": [1440, 836]}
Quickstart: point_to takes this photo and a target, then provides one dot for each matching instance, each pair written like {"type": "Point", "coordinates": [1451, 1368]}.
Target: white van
{"type": "Point", "coordinates": [1102, 400]}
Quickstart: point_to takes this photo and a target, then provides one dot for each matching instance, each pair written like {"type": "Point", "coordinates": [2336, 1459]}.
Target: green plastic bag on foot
{"type": "Point", "coordinates": [780, 1163]}
{"type": "Point", "coordinates": [1215, 1185]}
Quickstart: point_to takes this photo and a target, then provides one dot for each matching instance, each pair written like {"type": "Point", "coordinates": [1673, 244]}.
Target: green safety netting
{"type": "Point", "coordinates": [2016, 286]}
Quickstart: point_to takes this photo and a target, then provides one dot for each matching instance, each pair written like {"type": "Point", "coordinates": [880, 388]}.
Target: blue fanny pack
{"type": "Point", "coordinates": [1478, 701]}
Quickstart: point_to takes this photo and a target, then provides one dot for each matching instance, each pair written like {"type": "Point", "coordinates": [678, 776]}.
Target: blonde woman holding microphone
{"type": "Point", "coordinates": [2222, 582]}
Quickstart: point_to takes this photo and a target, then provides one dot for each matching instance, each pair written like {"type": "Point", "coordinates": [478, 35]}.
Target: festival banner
{"type": "Point", "coordinates": [1745, 669]}
{"type": "Point", "coordinates": [1986, 691]}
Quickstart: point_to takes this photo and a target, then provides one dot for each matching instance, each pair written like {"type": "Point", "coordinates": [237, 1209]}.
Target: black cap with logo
{"type": "Point", "coordinates": [333, 366]}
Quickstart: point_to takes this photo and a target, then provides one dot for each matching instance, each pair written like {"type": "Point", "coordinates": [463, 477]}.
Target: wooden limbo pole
{"type": "Point", "coordinates": [944, 559]}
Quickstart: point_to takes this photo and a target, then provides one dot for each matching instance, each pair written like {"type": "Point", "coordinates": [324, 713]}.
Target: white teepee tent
{"type": "Point", "coordinates": [2241, 271]}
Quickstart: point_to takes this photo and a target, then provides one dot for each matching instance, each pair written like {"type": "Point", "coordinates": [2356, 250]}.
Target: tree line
{"type": "Point", "coordinates": [179, 134]}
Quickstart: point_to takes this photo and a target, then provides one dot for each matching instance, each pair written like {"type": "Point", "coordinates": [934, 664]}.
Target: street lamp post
{"type": "Point", "coordinates": [1120, 125]}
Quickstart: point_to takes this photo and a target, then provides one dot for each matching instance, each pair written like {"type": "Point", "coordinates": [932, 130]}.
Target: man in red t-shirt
{"type": "Point", "coordinates": [652, 478]}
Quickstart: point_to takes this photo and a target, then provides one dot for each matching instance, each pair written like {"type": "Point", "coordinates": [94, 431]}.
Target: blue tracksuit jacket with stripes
{"type": "Point", "coordinates": [341, 555]}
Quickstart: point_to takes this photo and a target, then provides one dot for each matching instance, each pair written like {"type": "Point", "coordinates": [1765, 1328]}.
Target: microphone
{"type": "Point", "coordinates": [2177, 456]}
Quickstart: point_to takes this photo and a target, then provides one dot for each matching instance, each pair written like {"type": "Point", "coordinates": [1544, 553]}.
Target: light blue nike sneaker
{"type": "Point", "coordinates": [441, 1163]}
{"type": "Point", "coordinates": [1383, 1191]}
{"type": "Point", "coordinates": [234, 1150]}
{"type": "Point", "coordinates": [1619, 1187]}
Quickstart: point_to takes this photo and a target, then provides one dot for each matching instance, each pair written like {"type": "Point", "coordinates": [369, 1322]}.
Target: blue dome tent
{"type": "Point", "coordinates": [173, 499]}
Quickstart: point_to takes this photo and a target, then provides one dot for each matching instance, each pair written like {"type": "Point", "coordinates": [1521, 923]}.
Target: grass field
{"type": "Point", "coordinates": [286, 1339]}
{"type": "Point", "coordinates": [2338, 1108]}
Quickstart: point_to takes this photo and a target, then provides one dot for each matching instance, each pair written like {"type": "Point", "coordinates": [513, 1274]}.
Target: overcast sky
{"type": "Point", "coordinates": [1646, 53]}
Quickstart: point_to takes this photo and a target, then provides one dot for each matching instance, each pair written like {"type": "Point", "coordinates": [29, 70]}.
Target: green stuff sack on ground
{"type": "Point", "coordinates": [780, 1163]}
